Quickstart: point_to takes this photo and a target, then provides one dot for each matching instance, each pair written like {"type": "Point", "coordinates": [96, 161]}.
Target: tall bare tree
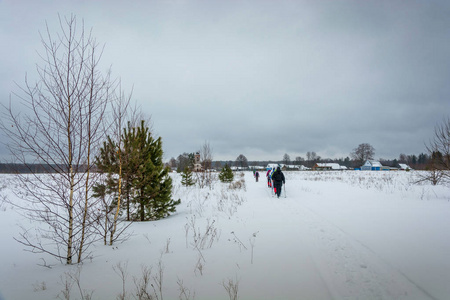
{"type": "Point", "coordinates": [299, 160]}
{"type": "Point", "coordinates": [439, 151]}
{"type": "Point", "coordinates": [61, 128]}
{"type": "Point", "coordinates": [312, 158]}
{"type": "Point", "coordinates": [185, 160]}
{"type": "Point", "coordinates": [205, 177]}
{"type": "Point", "coordinates": [206, 156]}
{"type": "Point", "coordinates": [441, 144]}
{"type": "Point", "coordinates": [120, 116]}
{"type": "Point", "coordinates": [363, 152]}
{"type": "Point", "coordinates": [241, 161]}
{"type": "Point", "coordinates": [403, 158]}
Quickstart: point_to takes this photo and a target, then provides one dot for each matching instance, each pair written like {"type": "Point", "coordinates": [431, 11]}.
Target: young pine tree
{"type": "Point", "coordinates": [152, 185]}
{"type": "Point", "coordinates": [226, 175]}
{"type": "Point", "coordinates": [147, 186]}
{"type": "Point", "coordinates": [186, 177]}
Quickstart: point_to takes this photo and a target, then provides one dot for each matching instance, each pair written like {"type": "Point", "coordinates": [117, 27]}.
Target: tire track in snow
{"type": "Point", "coordinates": [351, 269]}
{"type": "Point", "coordinates": [302, 278]}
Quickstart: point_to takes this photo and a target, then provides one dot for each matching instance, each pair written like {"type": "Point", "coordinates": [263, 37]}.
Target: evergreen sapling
{"type": "Point", "coordinates": [226, 175]}
{"type": "Point", "coordinates": [186, 177]}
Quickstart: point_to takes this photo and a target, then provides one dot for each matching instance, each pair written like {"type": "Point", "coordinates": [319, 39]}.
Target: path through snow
{"type": "Point", "coordinates": [330, 263]}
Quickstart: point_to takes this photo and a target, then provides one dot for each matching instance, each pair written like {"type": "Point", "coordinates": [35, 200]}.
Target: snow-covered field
{"type": "Point", "coordinates": [337, 235]}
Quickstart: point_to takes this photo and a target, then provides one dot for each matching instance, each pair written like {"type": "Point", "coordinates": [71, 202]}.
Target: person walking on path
{"type": "Point", "coordinates": [278, 181]}
{"type": "Point", "coordinates": [269, 180]}
{"type": "Point", "coordinates": [256, 175]}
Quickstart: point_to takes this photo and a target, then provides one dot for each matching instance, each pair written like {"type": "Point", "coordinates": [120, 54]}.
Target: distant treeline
{"type": "Point", "coordinates": [10, 168]}
{"type": "Point", "coordinates": [416, 162]}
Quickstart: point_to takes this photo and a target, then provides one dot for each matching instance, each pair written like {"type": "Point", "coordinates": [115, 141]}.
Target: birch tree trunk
{"type": "Point", "coordinates": [60, 126]}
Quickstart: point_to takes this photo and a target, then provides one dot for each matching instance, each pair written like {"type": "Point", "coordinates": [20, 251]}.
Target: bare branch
{"type": "Point", "coordinates": [61, 125]}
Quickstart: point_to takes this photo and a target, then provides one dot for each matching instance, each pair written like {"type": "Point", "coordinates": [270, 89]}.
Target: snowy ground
{"type": "Point", "coordinates": [337, 235]}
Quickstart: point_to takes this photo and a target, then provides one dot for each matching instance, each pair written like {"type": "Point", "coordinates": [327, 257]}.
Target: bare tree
{"type": "Point", "coordinates": [61, 129]}
{"type": "Point", "coordinates": [205, 177]}
{"type": "Point", "coordinates": [403, 158]}
{"type": "Point", "coordinates": [206, 156]}
{"type": "Point", "coordinates": [112, 202]}
{"type": "Point", "coordinates": [299, 160]}
{"type": "Point", "coordinates": [286, 159]}
{"type": "Point", "coordinates": [363, 152]}
{"type": "Point", "coordinates": [185, 160]}
{"type": "Point", "coordinates": [439, 148]}
{"type": "Point", "coordinates": [241, 161]}
{"type": "Point", "coordinates": [172, 163]}
{"type": "Point", "coordinates": [312, 158]}
{"type": "Point", "coordinates": [441, 144]}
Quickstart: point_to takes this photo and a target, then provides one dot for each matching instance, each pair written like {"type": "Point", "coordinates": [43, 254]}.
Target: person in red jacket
{"type": "Point", "coordinates": [269, 180]}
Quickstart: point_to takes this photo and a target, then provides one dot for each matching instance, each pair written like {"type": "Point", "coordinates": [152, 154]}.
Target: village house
{"type": "Point", "coordinates": [287, 167]}
{"type": "Point", "coordinates": [274, 166]}
{"type": "Point", "coordinates": [373, 165]}
{"type": "Point", "coordinates": [404, 167]}
{"type": "Point", "coordinates": [328, 167]}
{"type": "Point", "coordinates": [257, 168]}
{"type": "Point", "coordinates": [296, 167]}
{"type": "Point", "coordinates": [234, 168]}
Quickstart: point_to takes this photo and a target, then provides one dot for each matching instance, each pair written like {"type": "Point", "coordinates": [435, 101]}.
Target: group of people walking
{"type": "Point", "coordinates": [275, 179]}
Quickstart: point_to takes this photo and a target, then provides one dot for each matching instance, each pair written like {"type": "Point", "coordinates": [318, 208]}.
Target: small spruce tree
{"type": "Point", "coordinates": [147, 186]}
{"type": "Point", "coordinates": [152, 185]}
{"type": "Point", "coordinates": [186, 177]}
{"type": "Point", "coordinates": [226, 175]}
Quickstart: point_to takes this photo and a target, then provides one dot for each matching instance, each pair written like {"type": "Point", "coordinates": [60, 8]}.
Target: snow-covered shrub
{"type": "Point", "coordinates": [238, 185]}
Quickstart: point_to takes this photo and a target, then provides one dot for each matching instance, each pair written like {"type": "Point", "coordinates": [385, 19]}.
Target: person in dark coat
{"type": "Point", "coordinates": [278, 181]}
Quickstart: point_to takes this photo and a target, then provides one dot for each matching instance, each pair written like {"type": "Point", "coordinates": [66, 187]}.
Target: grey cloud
{"type": "Point", "coordinates": [267, 77]}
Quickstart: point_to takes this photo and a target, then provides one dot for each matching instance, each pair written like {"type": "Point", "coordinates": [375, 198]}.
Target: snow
{"type": "Point", "coordinates": [337, 235]}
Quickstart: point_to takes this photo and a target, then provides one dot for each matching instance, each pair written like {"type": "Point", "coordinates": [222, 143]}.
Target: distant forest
{"type": "Point", "coordinates": [10, 168]}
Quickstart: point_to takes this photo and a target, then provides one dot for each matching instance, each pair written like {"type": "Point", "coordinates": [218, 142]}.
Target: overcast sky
{"type": "Point", "coordinates": [261, 78]}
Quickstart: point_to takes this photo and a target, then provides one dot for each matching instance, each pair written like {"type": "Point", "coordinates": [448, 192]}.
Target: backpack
{"type": "Point", "coordinates": [277, 176]}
